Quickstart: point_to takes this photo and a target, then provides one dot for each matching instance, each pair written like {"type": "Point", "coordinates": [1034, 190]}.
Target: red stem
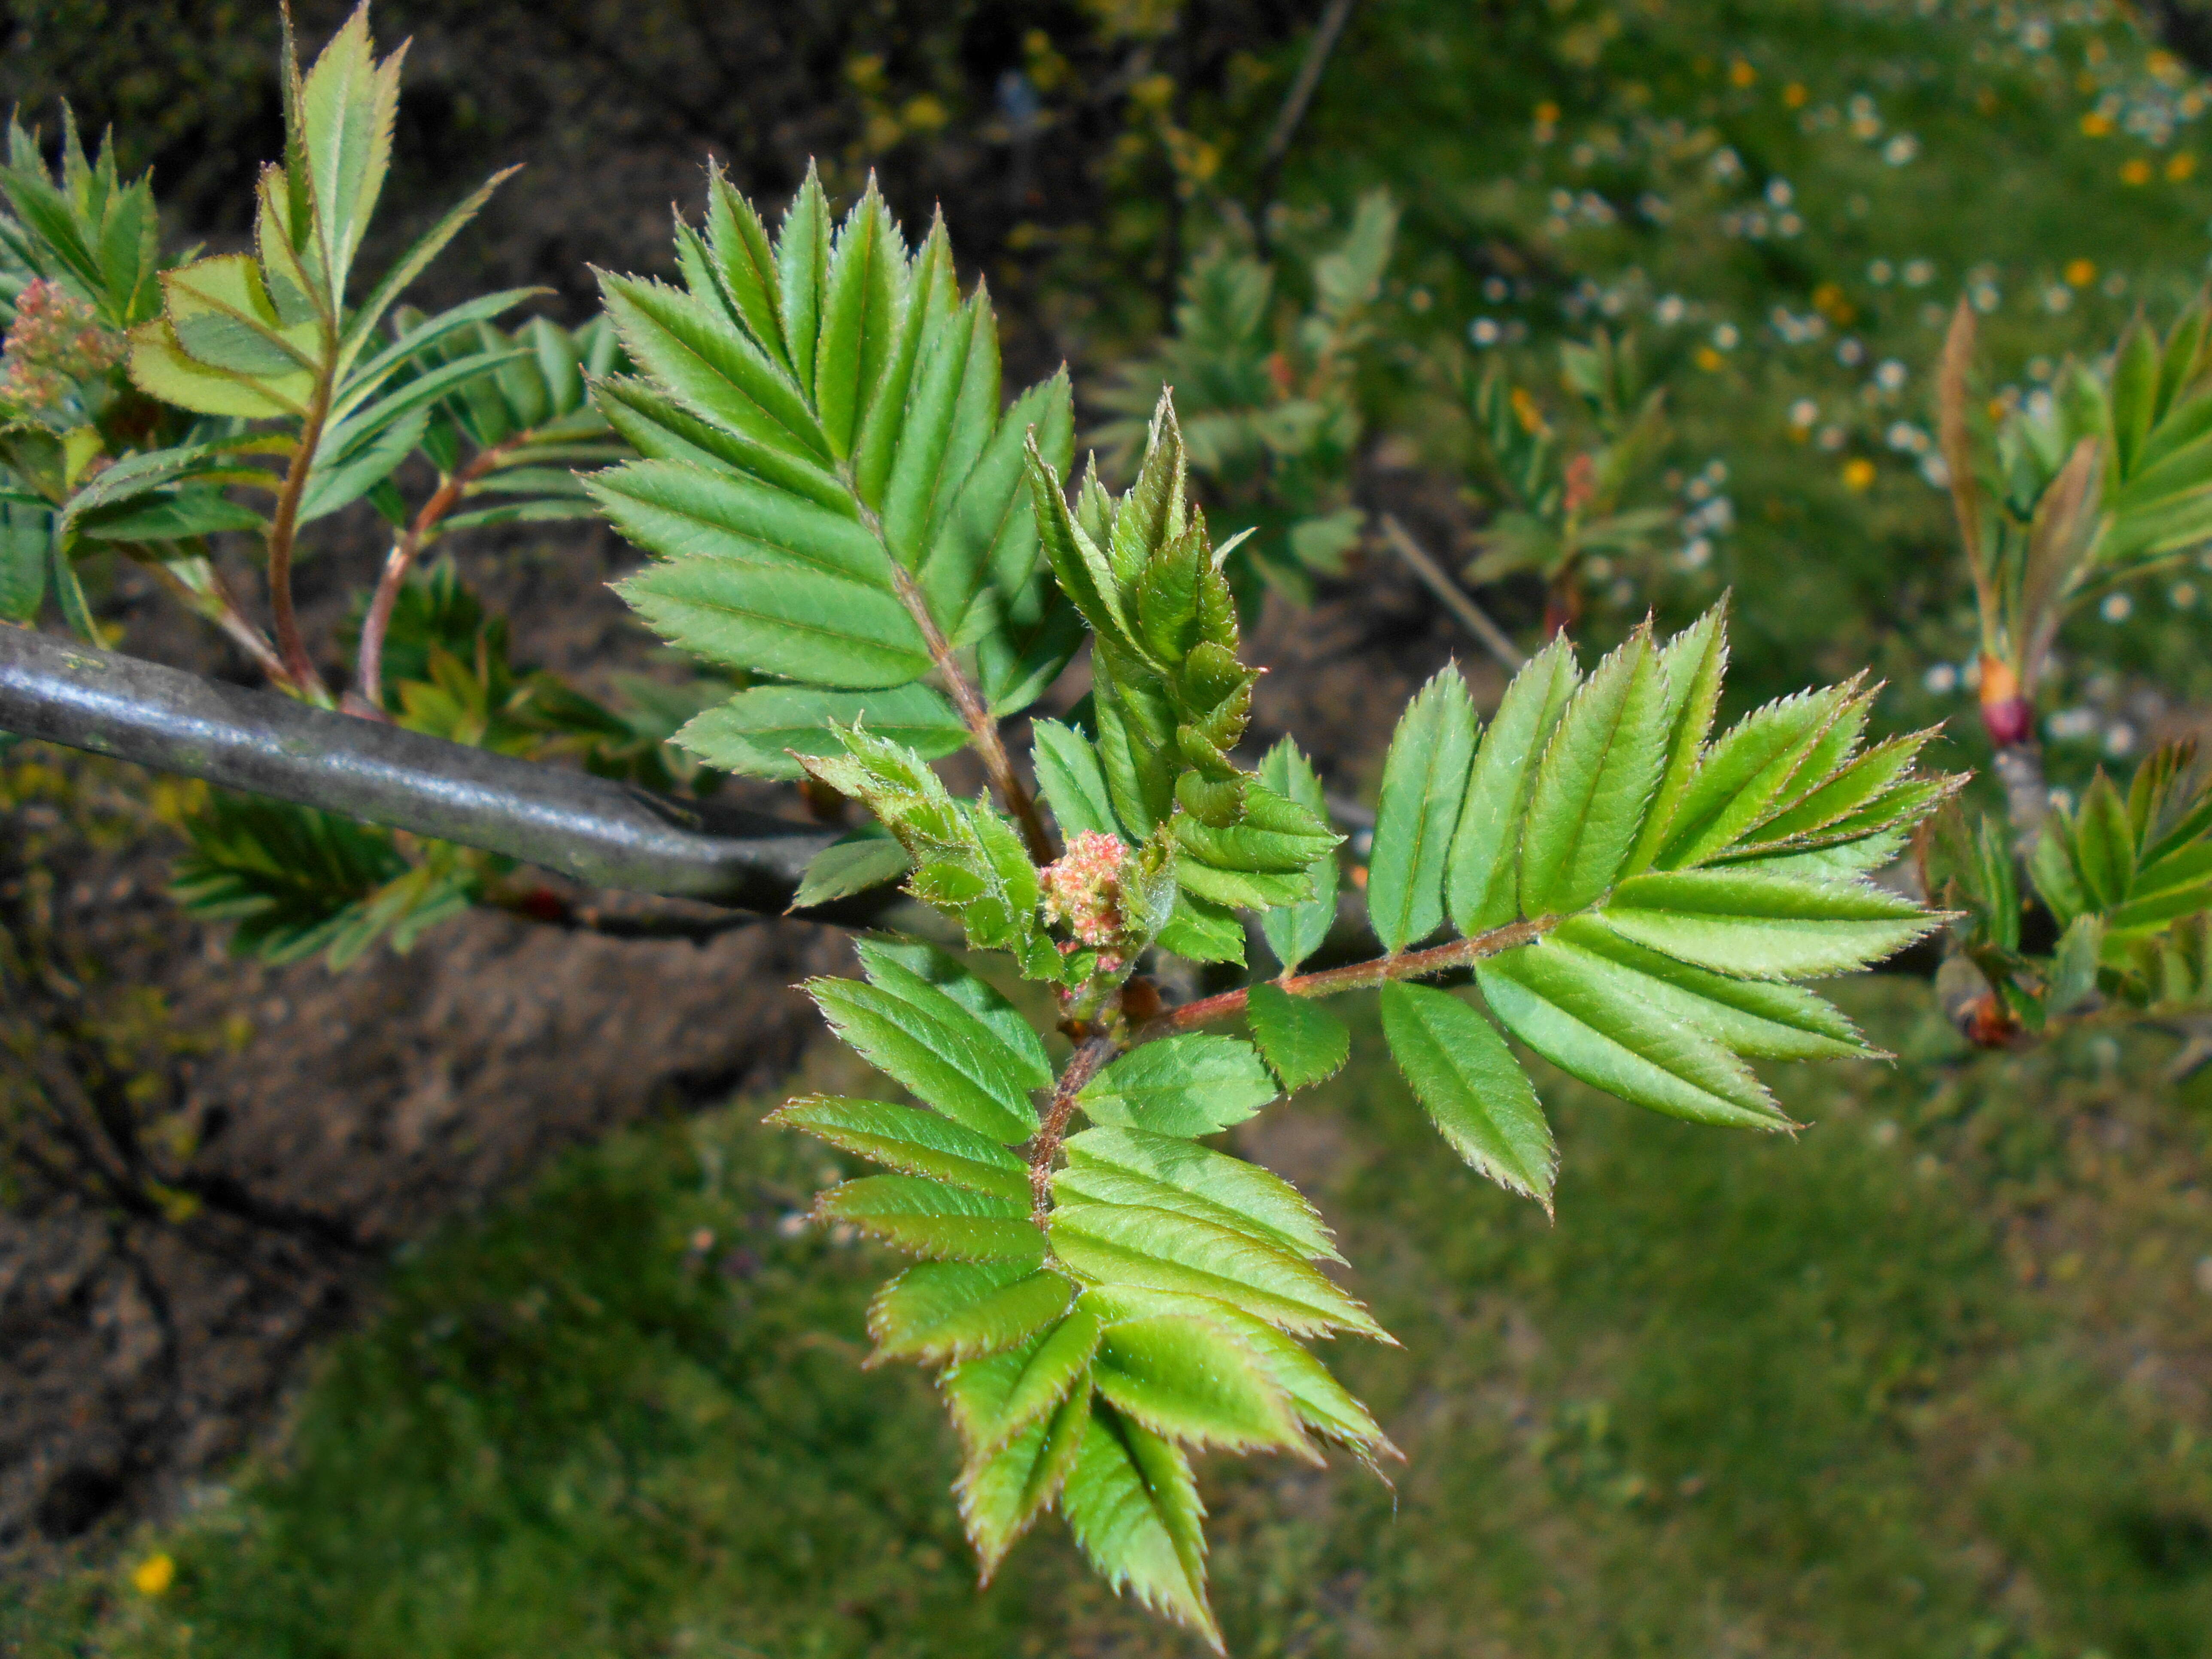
{"type": "Point", "coordinates": [368, 664]}
{"type": "Point", "coordinates": [1357, 976]}
{"type": "Point", "coordinates": [1090, 1059]}
{"type": "Point", "coordinates": [299, 666]}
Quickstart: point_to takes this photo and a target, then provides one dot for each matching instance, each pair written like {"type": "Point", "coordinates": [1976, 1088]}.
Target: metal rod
{"type": "Point", "coordinates": [594, 831]}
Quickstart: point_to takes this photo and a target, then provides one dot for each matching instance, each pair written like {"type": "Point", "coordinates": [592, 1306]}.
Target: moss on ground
{"type": "Point", "coordinates": [1929, 1379]}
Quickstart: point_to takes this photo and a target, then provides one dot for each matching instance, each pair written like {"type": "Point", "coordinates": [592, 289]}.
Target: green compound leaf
{"type": "Point", "coordinates": [1203, 932]}
{"type": "Point", "coordinates": [1423, 784]}
{"type": "Point", "coordinates": [1596, 780]}
{"type": "Point", "coordinates": [763, 731]}
{"type": "Point", "coordinates": [913, 1032]}
{"type": "Point", "coordinates": [1764, 926]}
{"type": "Point", "coordinates": [1295, 931]}
{"type": "Point", "coordinates": [1301, 1041]}
{"type": "Point", "coordinates": [1121, 1245]}
{"type": "Point", "coordinates": [1112, 1165]}
{"type": "Point", "coordinates": [1693, 664]}
{"type": "Point", "coordinates": [924, 961]}
{"type": "Point", "coordinates": [968, 861]}
{"type": "Point", "coordinates": [995, 1398]}
{"type": "Point", "coordinates": [1188, 1086]}
{"type": "Point", "coordinates": [829, 483]}
{"type": "Point", "coordinates": [1482, 884]}
{"type": "Point", "coordinates": [917, 1143]}
{"type": "Point", "coordinates": [1189, 1380]}
{"type": "Point", "coordinates": [1070, 780]}
{"type": "Point", "coordinates": [1474, 1089]}
{"type": "Point", "coordinates": [1003, 1491]}
{"type": "Point", "coordinates": [929, 1218]}
{"type": "Point", "coordinates": [1745, 777]}
{"type": "Point", "coordinates": [1260, 861]}
{"type": "Point", "coordinates": [853, 863]}
{"type": "Point", "coordinates": [1758, 1019]}
{"type": "Point", "coordinates": [1134, 1507]}
{"type": "Point", "coordinates": [937, 1311]}
{"type": "Point", "coordinates": [1582, 1013]}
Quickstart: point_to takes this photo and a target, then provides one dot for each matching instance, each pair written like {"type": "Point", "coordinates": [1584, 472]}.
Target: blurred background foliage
{"type": "Point", "coordinates": [1415, 296]}
{"type": "Point", "coordinates": [1779, 200]}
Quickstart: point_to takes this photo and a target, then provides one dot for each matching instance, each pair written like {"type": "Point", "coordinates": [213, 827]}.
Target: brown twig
{"type": "Point", "coordinates": [1356, 976]}
{"type": "Point", "coordinates": [982, 728]}
{"type": "Point", "coordinates": [224, 612]}
{"type": "Point", "coordinates": [1472, 615]}
{"type": "Point", "coordinates": [1089, 1060]}
{"type": "Point", "coordinates": [1292, 116]}
{"type": "Point", "coordinates": [367, 699]}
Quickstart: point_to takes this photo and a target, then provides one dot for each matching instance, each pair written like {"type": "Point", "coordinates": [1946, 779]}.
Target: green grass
{"type": "Point", "coordinates": [1927, 1380]}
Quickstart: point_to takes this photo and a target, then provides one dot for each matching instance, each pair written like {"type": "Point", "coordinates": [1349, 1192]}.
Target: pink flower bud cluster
{"type": "Point", "coordinates": [1083, 887]}
{"type": "Point", "coordinates": [57, 339]}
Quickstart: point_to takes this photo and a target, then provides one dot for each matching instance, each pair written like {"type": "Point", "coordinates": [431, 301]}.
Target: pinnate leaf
{"type": "Point", "coordinates": [945, 1310]}
{"type": "Point", "coordinates": [1423, 784]}
{"type": "Point", "coordinates": [1474, 1089]}
{"type": "Point", "coordinates": [1301, 1041]}
{"type": "Point", "coordinates": [1482, 883]}
{"type": "Point", "coordinates": [1582, 1014]}
{"type": "Point", "coordinates": [1189, 1380]}
{"type": "Point", "coordinates": [1115, 1165]}
{"type": "Point", "coordinates": [1134, 1507]}
{"type": "Point", "coordinates": [928, 1218]}
{"type": "Point", "coordinates": [1757, 926]}
{"type": "Point", "coordinates": [917, 1143]}
{"type": "Point", "coordinates": [1190, 1085]}
{"type": "Point", "coordinates": [1595, 782]}
{"type": "Point", "coordinates": [1116, 1244]}
{"type": "Point", "coordinates": [1295, 931]}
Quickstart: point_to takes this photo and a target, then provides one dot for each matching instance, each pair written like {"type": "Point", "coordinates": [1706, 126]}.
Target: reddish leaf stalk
{"type": "Point", "coordinates": [283, 526]}
{"type": "Point", "coordinates": [1090, 1059]}
{"type": "Point", "coordinates": [982, 726]}
{"type": "Point", "coordinates": [1359, 975]}
{"type": "Point", "coordinates": [367, 699]}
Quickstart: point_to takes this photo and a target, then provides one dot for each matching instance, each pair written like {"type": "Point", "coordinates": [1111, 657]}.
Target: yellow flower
{"type": "Point", "coordinates": [1547, 114]}
{"type": "Point", "coordinates": [925, 113]}
{"type": "Point", "coordinates": [1795, 94]}
{"type": "Point", "coordinates": [2134, 171]}
{"type": "Point", "coordinates": [2096, 124]}
{"type": "Point", "coordinates": [1858, 473]}
{"type": "Point", "coordinates": [1829, 300]}
{"type": "Point", "coordinates": [2181, 166]}
{"type": "Point", "coordinates": [154, 1576]}
{"type": "Point", "coordinates": [1709, 359]}
{"type": "Point", "coordinates": [1740, 74]}
{"type": "Point", "coordinates": [2080, 273]}
{"type": "Point", "coordinates": [1526, 412]}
